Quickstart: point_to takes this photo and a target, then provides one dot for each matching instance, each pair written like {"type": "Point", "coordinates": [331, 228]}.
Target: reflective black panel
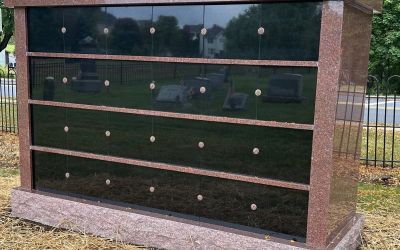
{"type": "Point", "coordinates": [85, 30]}
{"type": "Point", "coordinates": [232, 31]}
{"type": "Point", "coordinates": [48, 124]}
{"type": "Point", "coordinates": [289, 31]}
{"type": "Point", "coordinates": [280, 153]}
{"type": "Point", "coordinates": [45, 29]}
{"type": "Point", "coordinates": [275, 208]}
{"type": "Point", "coordinates": [129, 30]}
{"type": "Point", "coordinates": [177, 30]}
{"type": "Point", "coordinates": [287, 94]}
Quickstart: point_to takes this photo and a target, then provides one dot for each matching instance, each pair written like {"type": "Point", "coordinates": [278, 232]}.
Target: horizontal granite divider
{"type": "Point", "coordinates": [280, 63]}
{"type": "Point", "coordinates": [176, 168]}
{"type": "Point", "coordinates": [164, 114]}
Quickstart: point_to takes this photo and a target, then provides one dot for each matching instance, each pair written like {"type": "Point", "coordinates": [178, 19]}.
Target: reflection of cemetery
{"type": "Point", "coordinates": [278, 209]}
{"type": "Point", "coordinates": [178, 88]}
{"type": "Point", "coordinates": [284, 154]}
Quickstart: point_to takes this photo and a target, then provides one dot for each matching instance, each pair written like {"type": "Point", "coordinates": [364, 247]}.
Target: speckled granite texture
{"type": "Point", "coordinates": [143, 229]}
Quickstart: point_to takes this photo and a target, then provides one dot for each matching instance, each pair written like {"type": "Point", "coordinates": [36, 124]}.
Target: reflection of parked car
{"type": "Point", "coordinates": [284, 88]}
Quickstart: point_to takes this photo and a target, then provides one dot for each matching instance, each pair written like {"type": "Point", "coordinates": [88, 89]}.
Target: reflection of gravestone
{"type": "Point", "coordinates": [194, 84]}
{"type": "Point", "coordinates": [235, 101]}
{"type": "Point", "coordinates": [172, 94]}
{"type": "Point", "coordinates": [48, 89]}
{"type": "Point", "coordinates": [284, 88]}
{"type": "Point", "coordinates": [216, 80]}
{"type": "Point", "coordinates": [87, 80]}
{"type": "Point", "coordinates": [225, 72]}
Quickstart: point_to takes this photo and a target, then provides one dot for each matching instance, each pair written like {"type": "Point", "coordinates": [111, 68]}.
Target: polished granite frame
{"type": "Point", "coordinates": [342, 76]}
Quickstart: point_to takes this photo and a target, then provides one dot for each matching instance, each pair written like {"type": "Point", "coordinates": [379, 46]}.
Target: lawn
{"type": "Point", "coordinates": [379, 200]}
{"type": "Point", "coordinates": [380, 135]}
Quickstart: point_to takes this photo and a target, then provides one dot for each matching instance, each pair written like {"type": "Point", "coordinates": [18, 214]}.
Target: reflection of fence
{"type": "Point", "coordinates": [122, 72]}
{"type": "Point", "coordinates": [8, 101]}
{"type": "Point", "coordinates": [381, 145]}
{"type": "Point", "coordinates": [381, 140]}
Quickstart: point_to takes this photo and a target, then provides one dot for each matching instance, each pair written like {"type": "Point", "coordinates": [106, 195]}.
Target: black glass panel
{"type": "Point", "coordinates": [291, 31]}
{"type": "Point", "coordinates": [48, 124]}
{"type": "Point", "coordinates": [281, 153]}
{"type": "Point", "coordinates": [231, 31]}
{"type": "Point", "coordinates": [129, 30]}
{"type": "Point", "coordinates": [177, 30]}
{"type": "Point", "coordinates": [276, 209]}
{"type": "Point", "coordinates": [86, 30]}
{"type": "Point", "coordinates": [287, 94]}
{"type": "Point", "coordinates": [44, 28]}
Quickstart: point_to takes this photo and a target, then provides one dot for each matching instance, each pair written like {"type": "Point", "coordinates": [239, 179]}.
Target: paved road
{"type": "Point", "coordinates": [7, 88]}
{"type": "Point", "coordinates": [378, 106]}
{"type": "Point", "coordinates": [376, 109]}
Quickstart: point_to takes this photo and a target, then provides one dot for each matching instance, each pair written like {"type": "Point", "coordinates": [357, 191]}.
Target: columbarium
{"type": "Point", "coordinates": [187, 124]}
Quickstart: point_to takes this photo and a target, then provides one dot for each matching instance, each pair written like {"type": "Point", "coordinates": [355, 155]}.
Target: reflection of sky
{"type": "Point", "coordinates": [189, 14]}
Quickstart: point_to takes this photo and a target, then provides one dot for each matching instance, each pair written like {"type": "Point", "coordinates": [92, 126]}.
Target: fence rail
{"type": "Point", "coordinates": [381, 134]}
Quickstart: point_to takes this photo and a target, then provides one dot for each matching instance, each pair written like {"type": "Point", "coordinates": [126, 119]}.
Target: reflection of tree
{"type": "Point", "coordinates": [126, 36]}
{"type": "Point", "coordinates": [83, 23]}
{"type": "Point", "coordinates": [45, 21]}
{"type": "Point", "coordinates": [241, 37]}
{"type": "Point", "coordinates": [171, 40]}
{"type": "Point", "coordinates": [291, 31]}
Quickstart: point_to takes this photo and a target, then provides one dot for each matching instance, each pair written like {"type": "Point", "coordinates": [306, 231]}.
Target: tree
{"type": "Point", "coordinates": [8, 26]}
{"type": "Point", "coordinates": [385, 43]}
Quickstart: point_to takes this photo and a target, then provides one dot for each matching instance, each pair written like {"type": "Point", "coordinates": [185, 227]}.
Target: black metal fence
{"type": "Point", "coordinates": [381, 138]}
{"type": "Point", "coordinates": [8, 100]}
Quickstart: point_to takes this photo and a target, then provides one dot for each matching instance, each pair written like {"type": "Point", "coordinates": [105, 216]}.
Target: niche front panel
{"type": "Point", "coordinates": [240, 203]}
{"type": "Point", "coordinates": [277, 153]}
{"type": "Point", "coordinates": [287, 94]}
{"type": "Point", "coordinates": [268, 31]}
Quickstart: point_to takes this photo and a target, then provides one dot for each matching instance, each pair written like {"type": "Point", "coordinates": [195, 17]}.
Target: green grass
{"type": "Point", "coordinates": [8, 172]}
{"type": "Point", "coordinates": [378, 197]}
{"type": "Point", "coordinates": [8, 115]}
{"type": "Point", "coordinates": [380, 136]}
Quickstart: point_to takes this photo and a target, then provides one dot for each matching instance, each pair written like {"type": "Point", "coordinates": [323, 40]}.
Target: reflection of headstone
{"type": "Point", "coordinates": [284, 88]}
{"type": "Point", "coordinates": [87, 80]}
{"type": "Point", "coordinates": [48, 89]}
{"type": "Point", "coordinates": [194, 84]}
{"type": "Point", "coordinates": [172, 94]}
{"type": "Point", "coordinates": [216, 80]}
{"type": "Point", "coordinates": [225, 72]}
{"type": "Point", "coordinates": [235, 101]}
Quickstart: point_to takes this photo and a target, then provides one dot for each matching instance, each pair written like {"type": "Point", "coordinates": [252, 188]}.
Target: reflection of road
{"type": "Point", "coordinates": [376, 109]}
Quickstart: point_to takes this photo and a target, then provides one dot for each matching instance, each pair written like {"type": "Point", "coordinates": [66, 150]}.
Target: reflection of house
{"type": "Point", "coordinates": [214, 42]}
